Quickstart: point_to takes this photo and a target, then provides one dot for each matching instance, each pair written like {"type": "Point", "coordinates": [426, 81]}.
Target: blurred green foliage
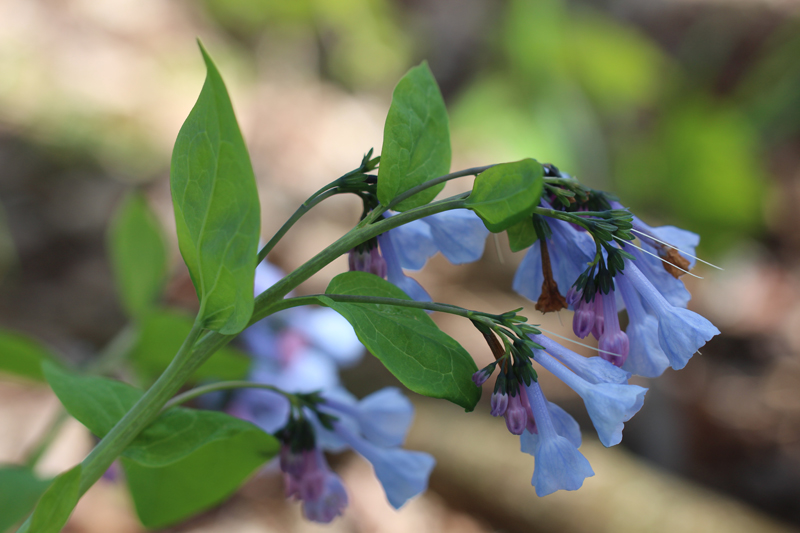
{"type": "Point", "coordinates": [599, 99]}
{"type": "Point", "coordinates": [361, 41]}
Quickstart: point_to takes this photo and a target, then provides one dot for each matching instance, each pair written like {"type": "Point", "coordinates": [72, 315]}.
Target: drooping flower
{"type": "Point", "coordinates": [646, 358]}
{"type": "Point", "coordinates": [614, 342]}
{"type": "Point", "coordinates": [593, 369]}
{"type": "Point", "coordinates": [375, 427]}
{"type": "Point", "coordinates": [459, 234]}
{"type": "Point", "coordinates": [681, 332]}
{"type": "Point", "coordinates": [609, 405]}
{"type": "Point", "coordinates": [308, 478]}
{"type": "Point", "coordinates": [559, 465]}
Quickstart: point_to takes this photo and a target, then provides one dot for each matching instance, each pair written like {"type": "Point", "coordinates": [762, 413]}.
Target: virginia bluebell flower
{"type": "Point", "coordinates": [459, 234]}
{"type": "Point", "coordinates": [646, 358]}
{"type": "Point", "coordinates": [681, 332]}
{"type": "Point", "coordinates": [610, 405]}
{"type": "Point", "coordinates": [308, 478]}
{"type": "Point", "coordinates": [375, 427]}
{"type": "Point", "coordinates": [593, 369]}
{"type": "Point", "coordinates": [559, 465]}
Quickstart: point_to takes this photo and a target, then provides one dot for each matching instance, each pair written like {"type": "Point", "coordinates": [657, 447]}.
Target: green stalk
{"type": "Point", "coordinates": [193, 353]}
{"type": "Point", "coordinates": [221, 385]}
{"type": "Point", "coordinates": [318, 197]}
{"type": "Point", "coordinates": [435, 181]}
{"type": "Point", "coordinates": [141, 414]}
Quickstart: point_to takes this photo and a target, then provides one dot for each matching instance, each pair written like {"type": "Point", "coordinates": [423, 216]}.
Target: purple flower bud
{"type": "Point", "coordinates": [613, 339]}
{"type": "Point", "coordinates": [573, 297]}
{"type": "Point", "coordinates": [616, 343]}
{"type": "Point", "coordinates": [583, 319]}
{"type": "Point", "coordinates": [367, 261]}
{"type": "Point", "coordinates": [516, 417]}
{"type": "Point", "coordinates": [480, 377]}
{"type": "Point", "coordinates": [499, 403]}
{"type": "Point", "coordinates": [599, 317]}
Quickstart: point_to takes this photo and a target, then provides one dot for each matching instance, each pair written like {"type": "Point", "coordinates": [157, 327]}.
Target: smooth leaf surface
{"type": "Point", "coordinates": [170, 494]}
{"type": "Point", "coordinates": [407, 341]}
{"type": "Point", "coordinates": [205, 455]}
{"type": "Point", "coordinates": [416, 139]}
{"type": "Point", "coordinates": [138, 254]}
{"type": "Point", "coordinates": [56, 504]}
{"type": "Point", "coordinates": [161, 335]}
{"type": "Point", "coordinates": [216, 207]}
{"type": "Point", "coordinates": [20, 489]}
{"type": "Point", "coordinates": [521, 235]}
{"type": "Point", "coordinates": [22, 356]}
{"type": "Point", "coordinates": [505, 194]}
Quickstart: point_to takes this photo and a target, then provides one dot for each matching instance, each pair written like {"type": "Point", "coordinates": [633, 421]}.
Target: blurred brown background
{"type": "Point", "coordinates": [689, 110]}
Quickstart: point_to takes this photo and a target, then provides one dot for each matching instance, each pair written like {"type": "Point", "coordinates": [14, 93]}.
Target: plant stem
{"type": "Point", "coordinates": [377, 300]}
{"type": "Point", "coordinates": [318, 197]}
{"type": "Point", "coordinates": [435, 181]}
{"type": "Point", "coordinates": [141, 414]}
{"type": "Point", "coordinates": [196, 350]}
{"type": "Point", "coordinates": [221, 385]}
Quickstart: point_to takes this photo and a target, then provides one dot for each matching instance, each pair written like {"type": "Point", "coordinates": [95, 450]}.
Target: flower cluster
{"type": "Point", "coordinates": [585, 259]}
{"type": "Point", "coordinates": [299, 351]}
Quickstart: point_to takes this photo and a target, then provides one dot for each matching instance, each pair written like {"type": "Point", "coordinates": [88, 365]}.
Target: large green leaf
{"type": "Point", "coordinates": [22, 356]}
{"type": "Point", "coordinates": [187, 460]}
{"type": "Point", "coordinates": [169, 494]}
{"type": "Point", "coordinates": [505, 194]}
{"type": "Point", "coordinates": [161, 335]}
{"type": "Point", "coordinates": [138, 254]}
{"type": "Point", "coordinates": [20, 489]}
{"type": "Point", "coordinates": [56, 504]}
{"type": "Point", "coordinates": [216, 207]}
{"type": "Point", "coordinates": [521, 235]}
{"type": "Point", "coordinates": [416, 139]}
{"type": "Point", "coordinates": [407, 341]}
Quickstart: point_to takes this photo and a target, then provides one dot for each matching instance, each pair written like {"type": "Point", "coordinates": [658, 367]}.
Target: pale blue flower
{"type": "Point", "coordinates": [459, 234]}
{"type": "Point", "coordinates": [645, 358]}
{"type": "Point", "coordinates": [384, 417]}
{"type": "Point", "coordinates": [394, 271]}
{"type": "Point", "coordinates": [402, 473]}
{"type": "Point", "coordinates": [592, 369]}
{"type": "Point", "coordinates": [609, 405]}
{"type": "Point", "coordinates": [559, 465]}
{"type": "Point", "coordinates": [680, 332]}
{"type": "Point", "coordinates": [564, 424]}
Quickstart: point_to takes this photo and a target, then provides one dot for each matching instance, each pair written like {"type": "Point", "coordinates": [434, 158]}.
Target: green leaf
{"type": "Point", "coordinates": [171, 493]}
{"type": "Point", "coordinates": [56, 504]}
{"type": "Point", "coordinates": [505, 194]}
{"type": "Point", "coordinates": [521, 235]}
{"type": "Point", "coordinates": [216, 207]}
{"type": "Point", "coordinates": [416, 139]}
{"type": "Point", "coordinates": [22, 356]}
{"type": "Point", "coordinates": [161, 335]}
{"type": "Point", "coordinates": [409, 344]}
{"type": "Point", "coordinates": [138, 254]}
{"type": "Point", "coordinates": [20, 489]}
{"type": "Point", "coordinates": [187, 460]}
{"type": "Point", "coordinates": [97, 403]}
